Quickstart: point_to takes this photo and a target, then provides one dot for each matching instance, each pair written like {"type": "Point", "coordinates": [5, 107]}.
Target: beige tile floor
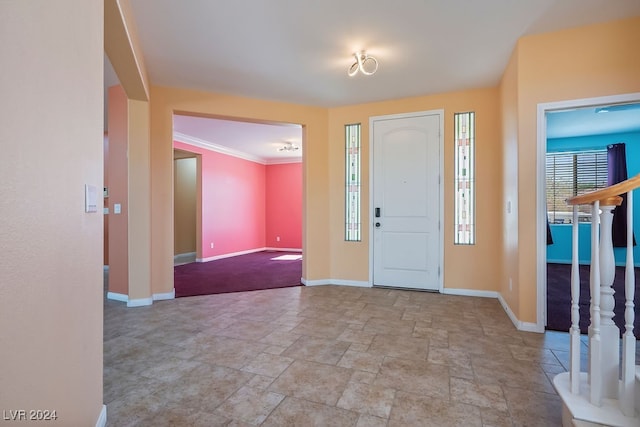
{"type": "Point", "coordinates": [327, 356]}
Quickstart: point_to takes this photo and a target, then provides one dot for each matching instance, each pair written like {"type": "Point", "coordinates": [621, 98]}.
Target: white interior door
{"type": "Point", "coordinates": [406, 201]}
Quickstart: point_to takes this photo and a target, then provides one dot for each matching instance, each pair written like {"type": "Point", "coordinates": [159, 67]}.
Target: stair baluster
{"type": "Point", "coordinates": [627, 386]}
{"type": "Point", "coordinates": [574, 349]}
{"type": "Point", "coordinates": [595, 347]}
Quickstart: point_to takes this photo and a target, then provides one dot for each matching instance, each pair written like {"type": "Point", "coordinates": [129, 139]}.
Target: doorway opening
{"type": "Point", "coordinates": [249, 191]}
{"type": "Point", "coordinates": [578, 106]}
{"type": "Point", "coordinates": [186, 172]}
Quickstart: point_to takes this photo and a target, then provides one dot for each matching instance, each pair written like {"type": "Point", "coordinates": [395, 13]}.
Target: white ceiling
{"type": "Point", "coordinates": [299, 51]}
{"type": "Point", "coordinates": [594, 121]}
{"type": "Point", "coordinates": [260, 142]}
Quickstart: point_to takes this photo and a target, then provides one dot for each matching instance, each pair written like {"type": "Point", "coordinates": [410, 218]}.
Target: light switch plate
{"type": "Point", "coordinates": [90, 198]}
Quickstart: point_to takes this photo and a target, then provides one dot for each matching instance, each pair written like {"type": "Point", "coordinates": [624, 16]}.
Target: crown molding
{"type": "Point", "coordinates": [197, 142]}
{"type": "Point", "coordinates": [282, 161]}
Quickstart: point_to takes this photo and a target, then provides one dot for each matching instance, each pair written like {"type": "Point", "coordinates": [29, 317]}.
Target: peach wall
{"type": "Point", "coordinates": [470, 267]}
{"type": "Point", "coordinates": [128, 171]}
{"type": "Point", "coordinates": [166, 101]}
{"type": "Point", "coordinates": [284, 206]}
{"type": "Point", "coordinates": [185, 202]}
{"type": "Point", "coordinates": [583, 62]}
{"type": "Point", "coordinates": [51, 279]}
{"type": "Point", "coordinates": [122, 47]}
{"type": "Point", "coordinates": [118, 177]}
{"type": "Point", "coordinates": [509, 202]}
{"type": "Point", "coordinates": [139, 213]}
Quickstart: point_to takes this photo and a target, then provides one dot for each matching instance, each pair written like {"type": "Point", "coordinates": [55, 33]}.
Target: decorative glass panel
{"type": "Point", "coordinates": [465, 216]}
{"type": "Point", "coordinates": [352, 183]}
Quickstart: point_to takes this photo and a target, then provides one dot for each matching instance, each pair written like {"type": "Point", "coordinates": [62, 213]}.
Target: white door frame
{"type": "Point", "coordinates": [372, 119]}
{"type": "Point", "coordinates": [541, 215]}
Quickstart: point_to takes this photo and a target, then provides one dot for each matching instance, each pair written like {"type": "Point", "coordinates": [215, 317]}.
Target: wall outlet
{"type": "Point", "coordinates": [211, 245]}
{"type": "Point", "coordinates": [277, 238]}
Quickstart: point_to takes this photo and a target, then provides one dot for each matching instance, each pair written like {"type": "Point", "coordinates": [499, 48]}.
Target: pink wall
{"type": "Point", "coordinates": [246, 205]}
{"type": "Point", "coordinates": [284, 206]}
{"type": "Point", "coordinates": [233, 204]}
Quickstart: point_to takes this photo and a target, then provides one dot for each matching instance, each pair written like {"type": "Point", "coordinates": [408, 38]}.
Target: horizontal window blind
{"type": "Point", "coordinates": [570, 174]}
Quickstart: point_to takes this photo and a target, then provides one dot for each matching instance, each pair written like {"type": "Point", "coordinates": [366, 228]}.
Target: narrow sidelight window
{"type": "Point", "coordinates": [464, 173]}
{"type": "Point", "coordinates": [352, 183]}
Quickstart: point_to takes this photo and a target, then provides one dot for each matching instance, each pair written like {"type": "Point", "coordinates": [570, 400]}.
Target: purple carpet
{"type": "Point", "coordinates": [559, 298]}
{"type": "Point", "coordinates": [240, 273]}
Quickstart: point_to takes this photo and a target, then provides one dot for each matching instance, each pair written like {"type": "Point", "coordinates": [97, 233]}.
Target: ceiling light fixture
{"type": "Point", "coordinates": [366, 64]}
{"type": "Point", "coordinates": [289, 146]}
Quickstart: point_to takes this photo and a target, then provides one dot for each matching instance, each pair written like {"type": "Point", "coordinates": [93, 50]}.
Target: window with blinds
{"type": "Point", "coordinates": [571, 174]}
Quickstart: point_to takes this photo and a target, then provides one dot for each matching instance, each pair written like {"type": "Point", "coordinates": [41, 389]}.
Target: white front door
{"type": "Point", "coordinates": [406, 200]}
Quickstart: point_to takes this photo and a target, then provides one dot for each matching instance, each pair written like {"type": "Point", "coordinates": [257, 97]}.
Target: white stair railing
{"type": "Point", "coordinates": [605, 393]}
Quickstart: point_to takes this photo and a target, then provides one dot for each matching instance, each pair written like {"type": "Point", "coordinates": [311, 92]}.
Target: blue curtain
{"type": "Point", "coordinates": [617, 172]}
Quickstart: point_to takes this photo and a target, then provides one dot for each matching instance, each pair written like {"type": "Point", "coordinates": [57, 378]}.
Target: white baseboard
{"type": "Point", "coordinates": [250, 251]}
{"type": "Point", "coordinates": [184, 258]}
{"type": "Point", "coordinates": [338, 282]}
{"type": "Point", "coordinates": [356, 283]}
{"type": "Point", "coordinates": [117, 297]}
{"type": "Point", "coordinates": [184, 255]}
{"type": "Point", "coordinates": [470, 293]}
{"type": "Point", "coordinates": [102, 419]}
{"type": "Point", "coordinates": [521, 326]}
{"type": "Point", "coordinates": [140, 302]}
{"type": "Point", "coordinates": [229, 255]}
{"type": "Point", "coordinates": [284, 249]}
{"type": "Point", "coordinates": [165, 296]}
{"type": "Point", "coordinates": [530, 327]}
{"type": "Point", "coordinates": [319, 282]}
{"type": "Point", "coordinates": [366, 284]}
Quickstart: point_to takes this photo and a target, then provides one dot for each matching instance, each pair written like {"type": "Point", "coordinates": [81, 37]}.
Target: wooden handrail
{"type": "Point", "coordinates": [607, 195]}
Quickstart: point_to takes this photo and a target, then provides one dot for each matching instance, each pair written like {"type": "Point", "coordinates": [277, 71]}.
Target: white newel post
{"type": "Point", "coordinates": [610, 334]}
{"type": "Point", "coordinates": [627, 387]}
